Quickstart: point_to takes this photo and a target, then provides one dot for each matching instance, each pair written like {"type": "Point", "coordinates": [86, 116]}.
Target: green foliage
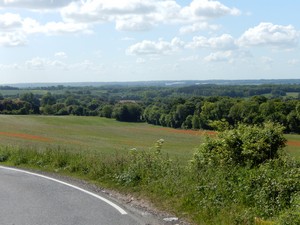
{"type": "Point", "coordinates": [245, 145]}
{"type": "Point", "coordinates": [219, 125]}
{"type": "Point", "coordinates": [244, 166]}
{"type": "Point", "coordinates": [176, 107]}
{"type": "Point", "coordinates": [107, 111]}
{"type": "Point", "coordinates": [48, 99]}
{"type": "Point", "coordinates": [145, 166]}
{"type": "Point", "coordinates": [273, 187]}
{"type": "Point", "coordinates": [290, 217]}
{"type": "Point", "coordinates": [130, 112]}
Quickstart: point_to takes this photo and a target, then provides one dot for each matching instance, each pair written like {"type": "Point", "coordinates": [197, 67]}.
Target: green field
{"type": "Point", "coordinates": [101, 135]}
{"type": "Point", "coordinates": [93, 134]}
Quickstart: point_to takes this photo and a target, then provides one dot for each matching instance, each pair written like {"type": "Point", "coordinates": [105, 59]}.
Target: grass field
{"type": "Point", "coordinates": [102, 135]}
{"type": "Point", "coordinates": [93, 134]}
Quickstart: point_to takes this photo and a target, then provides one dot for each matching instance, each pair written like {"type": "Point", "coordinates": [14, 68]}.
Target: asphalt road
{"type": "Point", "coordinates": [32, 199]}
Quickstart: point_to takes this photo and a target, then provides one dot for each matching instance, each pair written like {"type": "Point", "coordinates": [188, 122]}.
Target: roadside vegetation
{"type": "Point", "coordinates": [240, 176]}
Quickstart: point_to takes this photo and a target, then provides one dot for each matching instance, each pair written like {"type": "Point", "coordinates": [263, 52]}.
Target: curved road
{"type": "Point", "coordinates": [31, 199]}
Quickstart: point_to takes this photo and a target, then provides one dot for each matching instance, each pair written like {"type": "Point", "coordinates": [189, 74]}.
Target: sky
{"type": "Point", "coordinates": [140, 40]}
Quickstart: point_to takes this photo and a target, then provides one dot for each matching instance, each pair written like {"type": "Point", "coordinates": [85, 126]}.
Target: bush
{"type": "Point", "coordinates": [245, 167]}
{"type": "Point", "coordinates": [245, 145]}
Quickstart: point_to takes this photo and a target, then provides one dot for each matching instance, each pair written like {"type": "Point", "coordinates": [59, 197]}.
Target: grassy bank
{"type": "Point", "coordinates": [211, 195]}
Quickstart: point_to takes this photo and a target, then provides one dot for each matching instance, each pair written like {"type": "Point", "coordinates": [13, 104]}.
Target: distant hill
{"type": "Point", "coordinates": [175, 83]}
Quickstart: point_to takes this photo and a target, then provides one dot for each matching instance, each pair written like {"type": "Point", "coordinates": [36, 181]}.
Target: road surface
{"type": "Point", "coordinates": [31, 199]}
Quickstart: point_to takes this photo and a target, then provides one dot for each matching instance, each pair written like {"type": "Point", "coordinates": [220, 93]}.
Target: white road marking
{"type": "Point", "coordinates": [122, 211]}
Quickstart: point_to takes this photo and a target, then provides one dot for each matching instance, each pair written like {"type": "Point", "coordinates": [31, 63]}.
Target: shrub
{"type": "Point", "coordinates": [245, 145]}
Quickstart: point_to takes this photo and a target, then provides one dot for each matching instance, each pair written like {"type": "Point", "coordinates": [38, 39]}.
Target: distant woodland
{"type": "Point", "coordinates": [205, 106]}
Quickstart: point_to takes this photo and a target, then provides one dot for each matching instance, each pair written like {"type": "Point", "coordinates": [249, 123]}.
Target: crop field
{"type": "Point", "coordinates": [103, 135]}
{"type": "Point", "coordinates": [93, 134]}
{"type": "Point", "coordinates": [293, 145]}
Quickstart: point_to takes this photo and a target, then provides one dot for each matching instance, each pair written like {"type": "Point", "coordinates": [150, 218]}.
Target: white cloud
{"type": "Point", "coordinates": [36, 63]}
{"type": "Point", "coordinates": [129, 15]}
{"type": "Point", "coordinates": [219, 56]}
{"type": "Point", "coordinates": [223, 42]}
{"type": "Point", "coordinates": [106, 10]}
{"type": "Point", "coordinates": [268, 34]}
{"type": "Point", "coordinates": [266, 60]}
{"type": "Point", "coordinates": [44, 63]}
{"type": "Point", "coordinates": [14, 30]}
{"type": "Point", "coordinates": [31, 26]}
{"type": "Point", "coordinates": [140, 60]}
{"type": "Point", "coordinates": [140, 15]}
{"type": "Point", "coordinates": [39, 63]}
{"type": "Point", "coordinates": [34, 4]}
{"type": "Point", "coordinates": [133, 24]}
{"type": "Point", "coordinates": [9, 66]}
{"type": "Point", "coordinates": [10, 21]}
{"type": "Point", "coordinates": [206, 9]}
{"type": "Point", "coordinates": [161, 47]}
{"type": "Point", "coordinates": [56, 28]}
{"type": "Point", "coordinates": [12, 39]}
{"type": "Point", "coordinates": [58, 64]}
{"type": "Point", "coordinates": [197, 27]}
{"type": "Point", "coordinates": [87, 65]}
{"type": "Point", "coordinates": [190, 58]}
{"type": "Point", "coordinates": [127, 39]}
{"type": "Point", "coordinates": [227, 56]}
{"type": "Point", "coordinates": [62, 55]}
{"type": "Point", "coordinates": [294, 62]}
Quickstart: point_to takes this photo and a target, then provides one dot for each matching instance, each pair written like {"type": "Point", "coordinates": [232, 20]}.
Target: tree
{"type": "Point", "coordinates": [48, 99]}
{"type": "Point", "coordinates": [128, 112]}
{"type": "Point", "coordinates": [107, 111]}
{"type": "Point", "coordinates": [33, 100]}
{"type": "Point", "coordinates": [187, 124]}
{"type": "Point", "coordinates": [245, 112]}
{"type": "Point", "coordinates": [293, 121]}
{"type": "Point", "coordinates": [196, 122]}
{"type": "Point", "coordinates": [152, 114]}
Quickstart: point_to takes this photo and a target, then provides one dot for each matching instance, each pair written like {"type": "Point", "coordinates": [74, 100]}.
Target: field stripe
{"type": "Point", "coordinates": [122, 211]}
{"type": "Point", "coordinates": [25, 136]}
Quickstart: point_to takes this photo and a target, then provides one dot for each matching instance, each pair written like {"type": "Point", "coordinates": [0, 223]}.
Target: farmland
{"type": "Point", "coordinates": [90, 134]}
{"type": "Point", "coordinates": [93, 134]}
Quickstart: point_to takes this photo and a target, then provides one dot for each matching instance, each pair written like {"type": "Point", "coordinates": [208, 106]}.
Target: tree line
{"type": "Point", "coordinates": [214, 112]}
{"type": "Point", "coordinates": [163, 106]}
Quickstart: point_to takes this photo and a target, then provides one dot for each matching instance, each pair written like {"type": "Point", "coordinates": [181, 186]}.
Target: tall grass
{"type": "Point", "coordinates": [212, 195]}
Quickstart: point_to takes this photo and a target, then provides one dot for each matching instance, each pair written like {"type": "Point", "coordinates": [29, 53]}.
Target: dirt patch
{"type": "Point", "coordinates": [210, 133]}
{"type": "Point", "coordinates": [189, 132]}
{"type": "Point", "coordinates": [293, 143]}
{"type": "Point", "coordinates": [25, 136]}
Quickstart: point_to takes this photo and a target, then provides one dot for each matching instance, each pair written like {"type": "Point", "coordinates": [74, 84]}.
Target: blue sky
{"type": "Point", "coordinates": [137, 40]}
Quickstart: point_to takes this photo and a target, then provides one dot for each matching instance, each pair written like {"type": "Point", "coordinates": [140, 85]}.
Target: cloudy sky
{"type": "Point", "coordinates": [135, 40]}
